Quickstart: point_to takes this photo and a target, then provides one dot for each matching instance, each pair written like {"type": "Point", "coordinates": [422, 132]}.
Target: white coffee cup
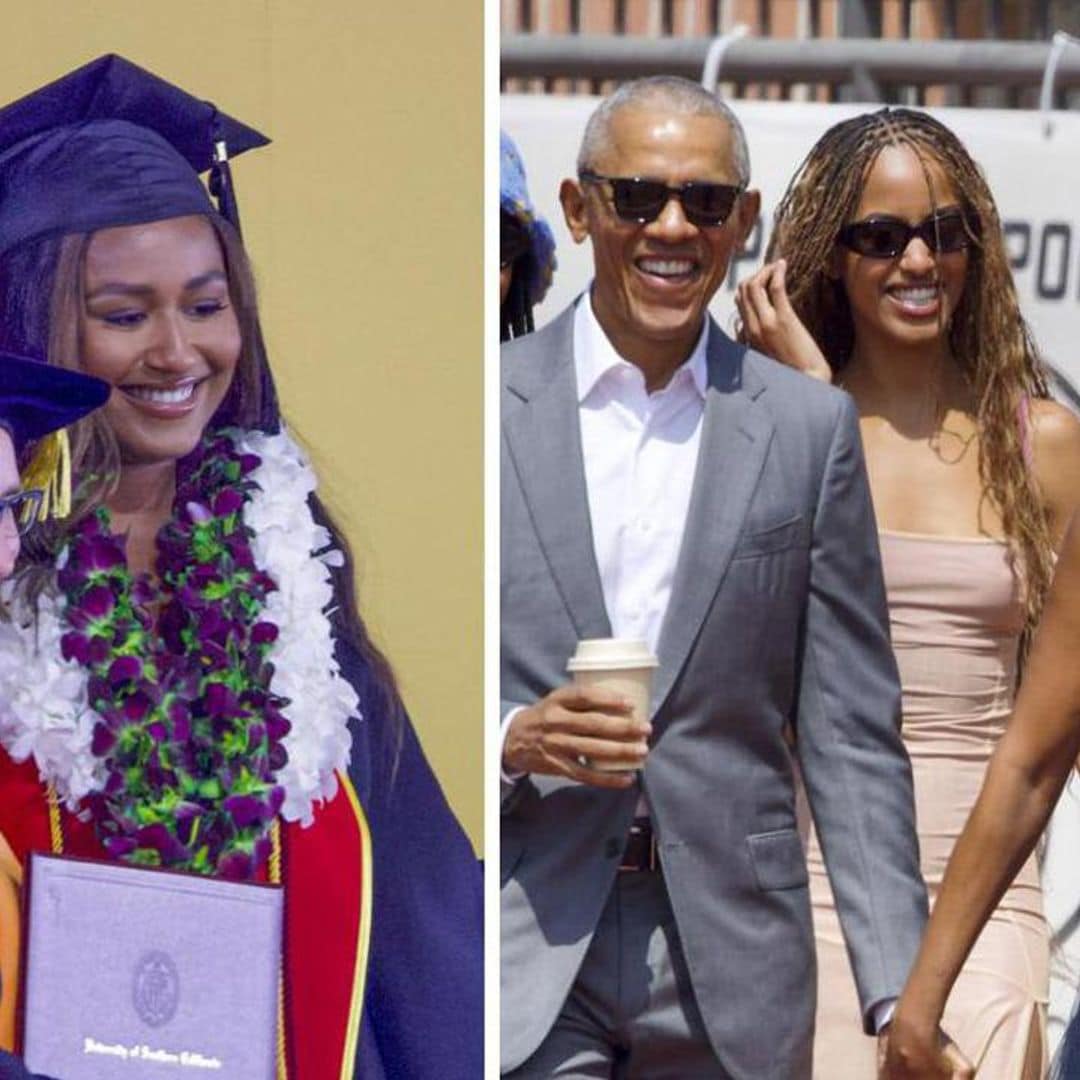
{"type": "Point", "coordinates": [621, 665]}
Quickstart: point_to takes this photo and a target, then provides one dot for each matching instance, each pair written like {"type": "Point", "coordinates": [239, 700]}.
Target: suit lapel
{"type": "Point", "coordinates": [735, 436]}
{"type": "Point", "coordinates": [544, 438]}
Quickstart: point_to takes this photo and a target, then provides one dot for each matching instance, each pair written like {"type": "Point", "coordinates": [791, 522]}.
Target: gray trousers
{"type": "Point", "coordinates": [631, 1013]}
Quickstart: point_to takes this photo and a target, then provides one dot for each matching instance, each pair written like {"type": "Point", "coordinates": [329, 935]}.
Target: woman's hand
{"type": "Point", "coordinates": [921, 1052]}
{"type": "Point", "coordinates": [771, 325]}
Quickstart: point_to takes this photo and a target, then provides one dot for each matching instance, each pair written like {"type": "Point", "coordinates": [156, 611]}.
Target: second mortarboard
{"type": "Point", "coordinates": [112, 144]}
{"type": "Point", "coordinates": [38, 400]}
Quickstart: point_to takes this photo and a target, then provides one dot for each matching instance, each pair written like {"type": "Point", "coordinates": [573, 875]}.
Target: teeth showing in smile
{"type": "Point", "coordinates": [175, 395]}
{"type": "Point", "coordinates": [667, 267]}
{"type": "Point", "coordinates": [919, 295]}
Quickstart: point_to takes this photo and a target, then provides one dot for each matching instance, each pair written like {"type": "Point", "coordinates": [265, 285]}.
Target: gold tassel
{"type": "Point", "coordinates": [50, 470]}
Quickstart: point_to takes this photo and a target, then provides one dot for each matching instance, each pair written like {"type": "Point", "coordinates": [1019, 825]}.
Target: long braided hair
{"type": "Point", "coordinates": [987, 335]}
{"type": "Point", "coordinates": [516, 311]}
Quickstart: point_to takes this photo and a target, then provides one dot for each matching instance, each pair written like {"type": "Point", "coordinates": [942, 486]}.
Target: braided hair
{"type": "Point", "coordinates": [987, 335]}
{"type": "Point", "coordinates": [516, 311]}
{"type": "Point", "coordinates": [515, 314]}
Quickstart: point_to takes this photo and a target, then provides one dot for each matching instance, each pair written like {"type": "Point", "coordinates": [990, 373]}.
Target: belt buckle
{"type": "Point", "coordinates": [627, 867]}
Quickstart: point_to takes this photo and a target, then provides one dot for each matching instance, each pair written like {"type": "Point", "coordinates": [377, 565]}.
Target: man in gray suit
{"type": "Point", "coordinates": [660, 482]}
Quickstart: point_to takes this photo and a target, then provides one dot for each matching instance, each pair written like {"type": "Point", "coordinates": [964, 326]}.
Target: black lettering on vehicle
{"type": "Point", "coordinates": [1052, 278]}
{"type": "Point", "coordinates": [1017, 243]}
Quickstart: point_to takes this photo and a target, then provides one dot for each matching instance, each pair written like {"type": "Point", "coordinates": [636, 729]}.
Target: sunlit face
{"type": "Point", "coordinates": [158, 324]}
{"type": "Point", "coordinates": [654, 280]}
{"type": "Point", "coordinates": [909, 300]}
{"type": "Point", "coordinates": [9, 484]}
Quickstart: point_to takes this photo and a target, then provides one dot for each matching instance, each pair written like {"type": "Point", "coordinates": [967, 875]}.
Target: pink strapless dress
{"type": "Point", "coordinates": [956, 619]}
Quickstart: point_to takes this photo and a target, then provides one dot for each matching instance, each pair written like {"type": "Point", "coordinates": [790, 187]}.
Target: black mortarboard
{"type": "Point", "coordinates": [38, 398]}
{"type": "Point", "coordinates": [111, 144]}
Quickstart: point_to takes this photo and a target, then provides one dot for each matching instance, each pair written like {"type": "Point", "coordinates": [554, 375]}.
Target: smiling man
{"type": "Point", "coordinates": [663, 484]}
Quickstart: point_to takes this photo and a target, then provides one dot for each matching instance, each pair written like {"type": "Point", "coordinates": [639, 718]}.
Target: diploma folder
{"type": "Point", "coordinates": [134, 972]}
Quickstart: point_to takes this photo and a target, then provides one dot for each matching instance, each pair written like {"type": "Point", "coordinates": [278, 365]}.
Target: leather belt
{"type": "Point", "coordinates": [640, 852]}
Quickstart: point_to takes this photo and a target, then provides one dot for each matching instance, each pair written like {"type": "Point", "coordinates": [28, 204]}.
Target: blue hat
{"type": "Point", "coordinates": [111, 144]}
{"type": "Point", "coordinates": [38, 398]}
{"type": "Point", "coordinates": [514, 200]}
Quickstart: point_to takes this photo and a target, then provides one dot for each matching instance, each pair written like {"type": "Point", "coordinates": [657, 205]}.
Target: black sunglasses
{"type": "Point", "coordinates": [23, 507]}
{"type": "Point", "coordinates": [887, 237]}
{"type": "Point", "coordinates": [705, 205]}
{"type": "Point", "coordinates": [513, 240]}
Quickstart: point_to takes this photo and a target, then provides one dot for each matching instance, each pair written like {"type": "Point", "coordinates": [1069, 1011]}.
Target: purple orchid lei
{"type": "Point", "coordinates": [190, 734]}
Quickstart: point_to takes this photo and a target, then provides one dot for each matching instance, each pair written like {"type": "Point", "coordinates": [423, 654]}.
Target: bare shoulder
{"type": "Point", "coordinates": [1054, 426]}
{"type": "Point", "coordinates": [1055, 432]}
{"type": "Point", "coordinates": [1056, 444]}
{"type": "Point", "coordinates": [1070, 548]}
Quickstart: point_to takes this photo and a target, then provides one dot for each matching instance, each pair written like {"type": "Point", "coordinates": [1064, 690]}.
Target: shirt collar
{"type": "Point", "coordinates": [595, 356]}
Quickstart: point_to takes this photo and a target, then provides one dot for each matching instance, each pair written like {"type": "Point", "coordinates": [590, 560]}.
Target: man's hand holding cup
{"type": "Point", "coordinates": [594, 730]}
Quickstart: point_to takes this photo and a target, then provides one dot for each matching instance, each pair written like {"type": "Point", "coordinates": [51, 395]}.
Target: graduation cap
{"type": "Point", "coordinates": [112, 144]}
{"type": "Point", "coordinates": [37, 401]}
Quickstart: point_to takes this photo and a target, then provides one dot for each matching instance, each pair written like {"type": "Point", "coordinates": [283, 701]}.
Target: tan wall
{"type": "Point", "coordinates": [364, 223]}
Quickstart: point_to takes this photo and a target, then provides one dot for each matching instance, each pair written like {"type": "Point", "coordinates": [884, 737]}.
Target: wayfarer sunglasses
{"type": "Point", "coordinates": [887, 237]}
{"type": "Point", "coordinates": [636, 199]}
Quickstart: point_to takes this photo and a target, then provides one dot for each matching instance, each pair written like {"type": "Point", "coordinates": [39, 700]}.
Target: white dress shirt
{"type": "Point", "coordinates": [640, 452]}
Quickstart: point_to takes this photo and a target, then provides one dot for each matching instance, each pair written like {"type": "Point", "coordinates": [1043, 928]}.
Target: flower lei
{"type": "Point", "coordinates": [188, 738]}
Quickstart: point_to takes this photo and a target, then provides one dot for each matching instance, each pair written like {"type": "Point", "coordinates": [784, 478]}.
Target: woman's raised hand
{"type": "Point", "coordinates": [771, 326]}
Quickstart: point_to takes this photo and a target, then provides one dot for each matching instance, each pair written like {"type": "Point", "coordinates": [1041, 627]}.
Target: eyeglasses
{"type": "Point", "coordinates": [513, 241]}
{"type": "Point", "coordinates": [20, 508]}
{"type": "Point", "coordinates": [887, 237]}
{"type": "Point", "coordinates": [705, 205]}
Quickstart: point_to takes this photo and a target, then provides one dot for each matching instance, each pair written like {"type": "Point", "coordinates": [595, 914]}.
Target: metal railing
{"type": "Point", "coordinates": [866, 69]}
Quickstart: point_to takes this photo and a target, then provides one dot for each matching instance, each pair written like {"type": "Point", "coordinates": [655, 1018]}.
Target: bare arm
{"type": "Point", "coordinates": [1022, 784]}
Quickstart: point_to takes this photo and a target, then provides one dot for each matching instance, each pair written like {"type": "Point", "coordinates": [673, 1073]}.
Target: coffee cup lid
{"type": "Point", "coordinates": [605, 654]}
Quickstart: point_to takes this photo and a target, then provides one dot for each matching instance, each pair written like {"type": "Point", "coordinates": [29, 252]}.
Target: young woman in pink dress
{"type": "Point", "coordinates": [887, 274]}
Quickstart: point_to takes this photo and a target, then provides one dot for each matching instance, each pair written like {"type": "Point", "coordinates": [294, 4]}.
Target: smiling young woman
{"type": "Point", "coordinates": [891, 280]}
{"type": "Point", "coordinates": [185, 679]}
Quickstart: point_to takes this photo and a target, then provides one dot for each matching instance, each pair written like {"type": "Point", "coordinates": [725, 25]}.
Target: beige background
{"type": "Point", "coordinates": [363, 220]}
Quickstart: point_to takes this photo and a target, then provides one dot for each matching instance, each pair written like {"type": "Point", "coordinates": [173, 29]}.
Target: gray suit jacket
{"type": "Point", "coordinates": [777, 616]}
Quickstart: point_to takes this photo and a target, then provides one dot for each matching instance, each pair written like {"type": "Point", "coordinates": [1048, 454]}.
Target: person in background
{"type": "Point", "coordinates": [526, 247]}
{"type": "Point", "coordinates": [36, 402]}
{"type": "Point", "coordinates": [887, 275]}
{"type": "Point", "coordinates": [230, 590]}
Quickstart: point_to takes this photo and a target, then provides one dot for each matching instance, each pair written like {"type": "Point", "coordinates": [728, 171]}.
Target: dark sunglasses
{"type": "Point", "coordinates": [886, 237]}
{"type": "Point", "coordinates": [23, 507]}
{"type": "Point", "coordinates": [513, 241]}
{"type": "Point", "coordinates": [636, 199]}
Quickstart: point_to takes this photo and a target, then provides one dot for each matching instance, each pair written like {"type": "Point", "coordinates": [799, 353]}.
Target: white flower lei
{"type": "Point", "coordinates": [43, 705]}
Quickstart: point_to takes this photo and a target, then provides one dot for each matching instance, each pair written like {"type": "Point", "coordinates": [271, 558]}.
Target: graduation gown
{"type": "Point", "coordinates": [383, 909]}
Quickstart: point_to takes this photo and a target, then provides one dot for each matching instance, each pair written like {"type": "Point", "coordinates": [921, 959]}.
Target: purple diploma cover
{"type": "Point", "coordinates": [129, 972]}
